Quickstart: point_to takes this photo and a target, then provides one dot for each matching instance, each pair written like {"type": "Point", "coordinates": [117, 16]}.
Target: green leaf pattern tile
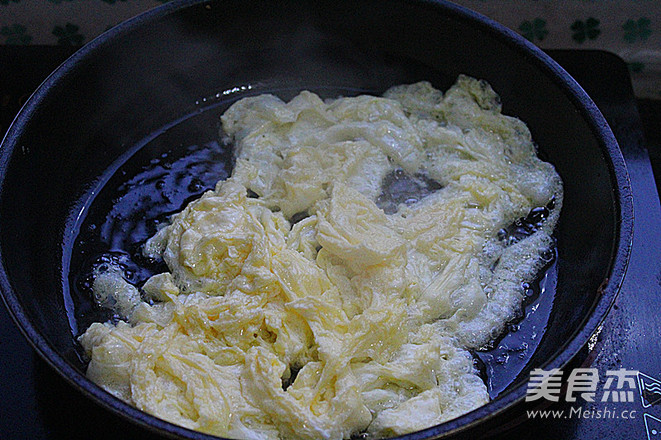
{"type": "Point", "coordinates": [637, 30]}
{"type": "Point", "coordinates": [636, 67]}
{"type": "Point", "coordinates": [68, 35]}
{"type": "Point", "coordinates": [588, 29]}
{"type": "Point", "coordinates": [534, 30]}
{"type": "Point", "coordinates": [15, 34]}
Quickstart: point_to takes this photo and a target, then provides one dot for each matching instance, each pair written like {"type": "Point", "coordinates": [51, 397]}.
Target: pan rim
{"type": "Point", "coordinates": [586, 109]}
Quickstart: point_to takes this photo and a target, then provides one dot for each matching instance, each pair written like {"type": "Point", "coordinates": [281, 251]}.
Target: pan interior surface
{"type": "Point", "coordinates": [152, 90]}
{"type": "Point", "coordinates": [176, 165]}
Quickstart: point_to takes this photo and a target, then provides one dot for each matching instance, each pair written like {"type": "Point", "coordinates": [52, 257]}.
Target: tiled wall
{"type": "Point", "coordinates": [629, 28]}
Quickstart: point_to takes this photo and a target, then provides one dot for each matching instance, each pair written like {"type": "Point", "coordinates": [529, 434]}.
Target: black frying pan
{"type": "Point", "coordinates": [106, 111]}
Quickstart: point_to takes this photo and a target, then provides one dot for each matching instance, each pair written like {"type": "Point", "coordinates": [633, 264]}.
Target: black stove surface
{"type": "Point", "coordinates": [36, 403]}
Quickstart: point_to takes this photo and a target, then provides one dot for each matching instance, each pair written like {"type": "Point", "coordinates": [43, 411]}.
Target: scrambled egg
{"type": "Point", "coordinates": [296, 308]}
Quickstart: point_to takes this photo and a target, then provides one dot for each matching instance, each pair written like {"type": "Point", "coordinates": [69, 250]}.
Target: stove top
{"type": "Point", "coordinates": [38, 404]}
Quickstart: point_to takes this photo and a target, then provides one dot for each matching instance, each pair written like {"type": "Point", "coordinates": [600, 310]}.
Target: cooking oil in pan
{"type": "Point", "coordinates": [172, 168]}
{"type": "Point", "coordinates": [179, 163]}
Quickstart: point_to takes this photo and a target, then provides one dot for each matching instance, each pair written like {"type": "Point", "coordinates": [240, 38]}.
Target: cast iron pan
{"type": "Point", "coordinates": [134, 106]}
